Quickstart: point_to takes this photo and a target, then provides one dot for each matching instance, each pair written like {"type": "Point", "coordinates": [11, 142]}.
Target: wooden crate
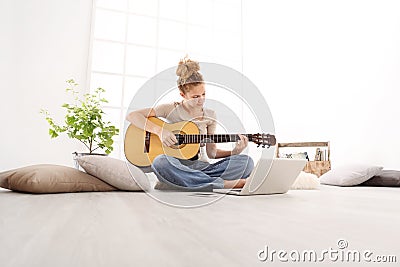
{"type": "Point", "coordinates": [317, 167]}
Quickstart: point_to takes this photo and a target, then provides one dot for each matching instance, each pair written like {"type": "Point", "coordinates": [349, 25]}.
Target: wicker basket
{"type": "Point", "coordinates": [317, 167]}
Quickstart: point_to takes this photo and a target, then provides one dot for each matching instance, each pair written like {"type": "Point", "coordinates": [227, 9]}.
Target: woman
{"type": "Point", "coordinates": [230, 172]}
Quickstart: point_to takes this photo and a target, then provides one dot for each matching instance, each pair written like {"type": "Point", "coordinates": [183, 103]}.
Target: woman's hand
{"type": "Point", "coordinates": [240, 145]}
{"type": "Point", "coordinates": [167, 137]}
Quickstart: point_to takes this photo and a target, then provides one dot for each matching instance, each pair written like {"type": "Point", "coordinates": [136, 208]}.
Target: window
{"type": "Point", "coordinates": [132, 40]}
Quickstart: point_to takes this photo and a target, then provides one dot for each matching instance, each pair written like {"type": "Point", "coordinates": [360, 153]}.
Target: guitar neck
{"type": "Point", "coordinates": [210, 138]}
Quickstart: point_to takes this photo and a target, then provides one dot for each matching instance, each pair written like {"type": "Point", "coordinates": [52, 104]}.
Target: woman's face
{"type": "Point", "coordinates": [195, 97]}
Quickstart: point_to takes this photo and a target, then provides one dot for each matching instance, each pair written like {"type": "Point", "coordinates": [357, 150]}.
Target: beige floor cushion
{"type": "Point", "coordinates": [115, 172]}
{"type": "Point", "coordinates": [47, 178]}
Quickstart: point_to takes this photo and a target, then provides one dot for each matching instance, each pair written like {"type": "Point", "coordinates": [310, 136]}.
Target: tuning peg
{"type": "Point", "coordinates": [258, 145]}
{"type": "Point", "coordinates": [263, 146]}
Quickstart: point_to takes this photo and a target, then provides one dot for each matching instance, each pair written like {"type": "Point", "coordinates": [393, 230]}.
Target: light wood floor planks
{"type": "Point", "coordinates": [132, 229]}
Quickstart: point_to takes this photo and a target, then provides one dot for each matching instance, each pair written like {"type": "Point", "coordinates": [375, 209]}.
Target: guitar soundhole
{"type": "Point", "coordinates": [179, 145]}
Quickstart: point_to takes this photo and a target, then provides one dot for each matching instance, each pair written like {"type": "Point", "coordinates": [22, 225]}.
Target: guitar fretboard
{"type": "Point", "coordinates": [210, 138]}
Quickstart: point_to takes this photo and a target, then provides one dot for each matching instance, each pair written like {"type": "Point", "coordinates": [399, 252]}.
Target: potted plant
{"type": "Point", "coordinates": [84, 121]}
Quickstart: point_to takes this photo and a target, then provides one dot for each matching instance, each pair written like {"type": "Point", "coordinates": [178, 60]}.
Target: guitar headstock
{"type": "Point", "coordinates": [264, 139]}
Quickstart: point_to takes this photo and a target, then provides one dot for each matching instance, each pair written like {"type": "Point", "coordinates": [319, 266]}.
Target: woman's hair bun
{"type": "Point", "coordinates": [188, 74]}
{"type": "Point", "coordinates": [187, 68]}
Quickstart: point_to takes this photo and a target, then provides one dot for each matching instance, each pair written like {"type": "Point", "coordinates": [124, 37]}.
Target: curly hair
{"type": "Point", "coordinates": [188, 74]}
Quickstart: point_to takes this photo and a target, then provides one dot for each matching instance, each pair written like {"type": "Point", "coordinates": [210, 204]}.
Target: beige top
{"type": "Point", "coordinates": [175, 112]}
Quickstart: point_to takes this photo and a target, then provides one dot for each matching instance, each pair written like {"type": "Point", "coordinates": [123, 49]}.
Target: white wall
{"type": "Point", "coordinates": [44, 43]}
{"type": "Point", "coordinates": [329, 71]}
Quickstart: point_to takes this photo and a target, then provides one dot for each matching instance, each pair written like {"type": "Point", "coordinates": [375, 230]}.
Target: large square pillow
{"type": "Point", "coordinates": [115, 172]}
{"type": "Point", "coordinates": [349, 175]}
{"type": "Point", "coordinates": [47, 178]}
{"type": "Point", "coordinates": [385, 178]}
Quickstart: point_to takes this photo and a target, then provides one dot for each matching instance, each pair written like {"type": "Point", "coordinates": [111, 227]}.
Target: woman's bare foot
{"type": "Point", "coordinates": [239, 183]}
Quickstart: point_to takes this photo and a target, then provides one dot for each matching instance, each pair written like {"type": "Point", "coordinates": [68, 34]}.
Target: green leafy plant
{"type": "Point", "coordinates": [84, 120]}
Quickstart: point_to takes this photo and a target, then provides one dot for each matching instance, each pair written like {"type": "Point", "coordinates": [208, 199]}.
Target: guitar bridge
{"type": "Point", "coordinates": [147, 143]}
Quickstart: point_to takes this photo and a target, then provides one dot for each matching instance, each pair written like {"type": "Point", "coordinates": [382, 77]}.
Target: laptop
{"type": "Point", "coordinates": [270, 176]}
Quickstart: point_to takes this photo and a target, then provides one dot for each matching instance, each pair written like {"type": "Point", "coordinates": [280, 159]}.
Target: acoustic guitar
{"type": "Point", "coordinates": [142, 147]}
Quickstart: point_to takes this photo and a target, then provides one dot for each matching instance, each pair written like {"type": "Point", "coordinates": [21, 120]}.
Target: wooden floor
{"type": "Point", "coordinates": [134, 229]}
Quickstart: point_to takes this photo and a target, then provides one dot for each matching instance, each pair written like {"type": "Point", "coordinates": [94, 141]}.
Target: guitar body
{"type": "Point", "coordinates": [142, 147]}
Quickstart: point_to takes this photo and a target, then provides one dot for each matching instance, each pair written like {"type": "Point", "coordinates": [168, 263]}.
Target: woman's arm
{"type": "Point", "coordinates": [211, 148]}
{"type": "Point", "coordinates": [139, 119]}
{"type": "Point", "coordinates": [214, 153]}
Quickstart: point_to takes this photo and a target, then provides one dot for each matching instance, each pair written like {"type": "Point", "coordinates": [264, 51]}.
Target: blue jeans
{"type": "Point", "coordinates": [187, 173]}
